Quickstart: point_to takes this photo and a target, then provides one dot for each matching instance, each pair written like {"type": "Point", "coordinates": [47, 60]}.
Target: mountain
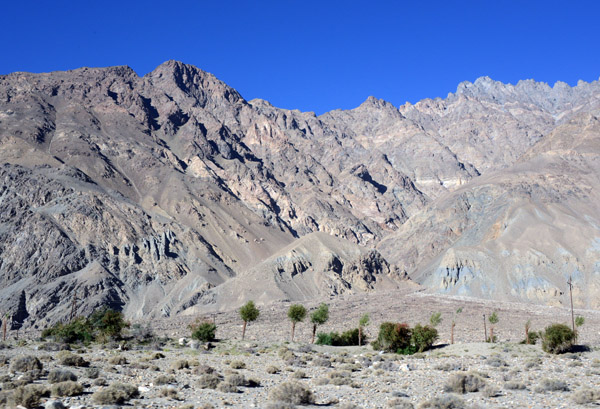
{"type": "Point", "coordinates": [166, 194]}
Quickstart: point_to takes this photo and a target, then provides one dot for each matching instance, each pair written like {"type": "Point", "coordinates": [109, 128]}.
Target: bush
{"type": "Point", "coordinates": [393, 337]}
{"type": "Point", "coordinates": [117, 360]}
{"type": "Point", "coordinates": [115, 394]}
{"type": "Point", "coordinates": [67, 388]}
{"type": "Point", "coordinates": [69, 359]}
{"type": "Point", "coordinates": [61, 375]}
{"type": "Point", "coordinates": [29, 396]}
{"type": "Point", "coordinates": [557, 338]}
{"type": "Point", "coordinates": [585, 396]}
{"type": "Point", "coordinates": [99, 326]}
{"type": "Point", "coordinates": [204, 331]}
{"type": "Point", "coordinates": [347, 338]}
{"type": "Point", "coordinates": [295, 393]}
{"type": "Point", "coordinates": [422, 338]}
{"type": "Point", "coordinates": [551, 385]}
{"type": "Point", "coordinates": [444, 402]}
{"type": "Point", "coordinates": [534, 336]}
{"type": "Point", "coordinates": [164, 380]}
{"type": "Point", "coordinates": [209, 381]}
{"type": "Point", "coordinates": [464, 382]}
{"type": "Point", "coordinates": [25, 363]}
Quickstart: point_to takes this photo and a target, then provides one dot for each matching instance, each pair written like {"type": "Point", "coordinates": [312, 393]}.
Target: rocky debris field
{"type": "Point", "coordinates": [266, 371]}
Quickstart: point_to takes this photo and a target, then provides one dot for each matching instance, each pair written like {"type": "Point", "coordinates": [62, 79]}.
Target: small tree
{"type": "Point", "coordinates": [248, 313]}
{"type": "Point", "coordinates": [435, 319]}
{"type": "Point", "coordinates": [493, 319]}
{"type": "Point", "coordinates": [296, 313]}
{"type": "Point", "coordinates": [319, 317]}
{"type": "Point", "coordinates": [454, 325]}
{"type": "Point", "coordinates": [362, 322]}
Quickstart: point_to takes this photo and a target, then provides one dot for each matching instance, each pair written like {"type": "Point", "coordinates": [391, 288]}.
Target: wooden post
{"type": "Point", "coordinates": [73, 307]}
{"type": "Point", "coordinates": [570, 283]}
{"type": "Point", "coordinates": [4, 323]}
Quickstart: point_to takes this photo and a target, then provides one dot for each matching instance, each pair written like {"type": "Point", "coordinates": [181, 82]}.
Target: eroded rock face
{"type": "Point", "coordinates": [157, 194]}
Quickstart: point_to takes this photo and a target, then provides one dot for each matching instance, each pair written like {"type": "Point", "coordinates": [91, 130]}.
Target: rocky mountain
{"type": "Point", "coordinates": [171, 194]}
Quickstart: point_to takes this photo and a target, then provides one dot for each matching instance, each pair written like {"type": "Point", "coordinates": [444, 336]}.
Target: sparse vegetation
{"type": "Point", "coordinates": [248, 313]}
{"type": "Point", "coordinates": [557, 338]}
{"type": "Point", "coordinates": [296, 314]}
{"type": "Point", "coordinates": [164, 380]}
{"type": "Point", "coordinates": [319, 317]}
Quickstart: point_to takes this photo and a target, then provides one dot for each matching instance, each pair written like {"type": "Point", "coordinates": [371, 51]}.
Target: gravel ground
{"type": "Point", "coordinates": [505, 374]}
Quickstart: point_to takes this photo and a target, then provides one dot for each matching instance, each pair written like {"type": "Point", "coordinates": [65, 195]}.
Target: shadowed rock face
{"type": "Point", "coordinates": [157, 194]}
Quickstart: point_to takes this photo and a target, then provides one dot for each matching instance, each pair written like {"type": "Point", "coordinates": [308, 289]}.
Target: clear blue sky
{"type": "Point", "coordinates": [314, 55]}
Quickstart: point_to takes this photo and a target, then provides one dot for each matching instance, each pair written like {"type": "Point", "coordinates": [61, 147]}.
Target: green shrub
{"type": "Point", "coordinates": [557, 338]}
{"type": "Point", "coordinates": [534, 336]}
{"type": "Point", "coordinates": [100, 326]}
{"type": "Point", "coordinates": [422, 338]}
{"type": "Point", "coordinates": [393, 337]}
{"type": "Point", "coordinates": [347, 338]}
{"type": "Point", "coordinates": [204, 331]}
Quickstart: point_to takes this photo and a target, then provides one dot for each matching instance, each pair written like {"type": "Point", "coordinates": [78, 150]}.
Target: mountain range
{"type": "Point", "coordinates": [172, 194]}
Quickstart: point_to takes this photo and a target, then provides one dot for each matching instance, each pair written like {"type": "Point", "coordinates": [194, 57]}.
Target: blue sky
{"type": "Point", "coordinates": [314, 55]}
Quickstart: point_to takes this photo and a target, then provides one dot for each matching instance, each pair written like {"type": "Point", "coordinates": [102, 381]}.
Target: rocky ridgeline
{"type": "Point", "coordinates": [169, 193]}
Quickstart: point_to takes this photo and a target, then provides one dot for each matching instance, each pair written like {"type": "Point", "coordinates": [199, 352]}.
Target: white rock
{"type": "Point", "coordinates": [182, 341]}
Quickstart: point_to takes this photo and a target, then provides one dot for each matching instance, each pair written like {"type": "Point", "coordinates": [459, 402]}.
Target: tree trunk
{"type": "Point", "coordinates": [491, 334]}
{"type": "Point", "coordinates": [527, 335]}
{"type": "Point", "coordinates": [452, 333]}
{"type": "Point", "coordinates": [244, 330]}
{"type": "Point", "coordinates": [293, 329]}
{"type": "Point", "coordinates": [314, 332]}
{"type": "Point", "coordinates": [359, 336]}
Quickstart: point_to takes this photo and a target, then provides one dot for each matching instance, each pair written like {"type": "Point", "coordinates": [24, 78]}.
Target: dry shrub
{"type": "Point", "coordinates": [585, 396]}
{"type": "Point", "coordinates": [25, 363]}
{"type": "Point", "coordinates": [29, 396]}
{"type": "Point", "coordinates": [164, 380]}
{"type": "Point", "coordinates": [464, 382]}
{"type": "Point", "coordinates": [444, 402]}
{"type": "Point", "coordinates": [67, 388]}
{"type": "Point", "coordinates": [68, 359]}
{"type": "Point", "coordinates": [551, 385]}
{"type": "Point", "coordinates": [292, 392]}
{"type": "Point", "coordinates": [61, 375]}
{"type": "Point", "coordinates": [209, 381]}
{"type": "Point", "coordinates": [238, 365]}
{"type": "Point", "coordinates": [226, 387]}
{"type": "Point", "coordinates": [117, 360]}
{"type": "Point", "coordinates": [115, 394]}
{"type": "Point", "coordinates": [181, 364]}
